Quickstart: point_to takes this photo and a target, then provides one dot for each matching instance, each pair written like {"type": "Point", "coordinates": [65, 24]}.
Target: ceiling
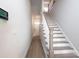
{"type": "Point", "coordinates": [36, 6]}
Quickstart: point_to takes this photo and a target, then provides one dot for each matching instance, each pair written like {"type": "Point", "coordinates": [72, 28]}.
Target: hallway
{"type": "Point", "coordinates": [36, 50]}
{"type": "Point", "coordinates": [53, 30]}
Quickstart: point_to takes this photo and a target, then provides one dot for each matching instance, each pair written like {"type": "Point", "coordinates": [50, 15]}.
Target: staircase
{"type": "Point", "coordinates": [61, 46]}
{"type": "Point", "coordinates": [55, 43]}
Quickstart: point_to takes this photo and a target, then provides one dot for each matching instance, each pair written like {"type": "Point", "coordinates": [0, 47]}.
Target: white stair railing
{"type": "Point", "coordinates": [46, 37]}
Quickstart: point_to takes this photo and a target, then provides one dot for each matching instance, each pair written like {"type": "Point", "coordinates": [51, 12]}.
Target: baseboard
{"type": "Point", "coordinates": [27, 50]}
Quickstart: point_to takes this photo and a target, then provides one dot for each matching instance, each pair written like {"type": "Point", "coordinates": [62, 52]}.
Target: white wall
{"type": "Point", "coordinates": [67, 15]}
{"type": "Point", "coordinates": [15, 34]}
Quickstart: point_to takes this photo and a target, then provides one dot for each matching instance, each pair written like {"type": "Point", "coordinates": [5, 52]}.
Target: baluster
{"type": "Point", "coordinates": [51, 52]}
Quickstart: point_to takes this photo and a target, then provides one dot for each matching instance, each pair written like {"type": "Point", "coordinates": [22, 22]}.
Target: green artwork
{"type": "Point", "coordinates": [3, 14]}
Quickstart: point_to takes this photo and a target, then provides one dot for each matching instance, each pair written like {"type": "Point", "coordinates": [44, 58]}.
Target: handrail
{"type": "Point", "coordinates": [46, 31]}
{"type": "Point", "coordinates": [50, 39]}
{"type": "Point", "coordinates": [46, 22]}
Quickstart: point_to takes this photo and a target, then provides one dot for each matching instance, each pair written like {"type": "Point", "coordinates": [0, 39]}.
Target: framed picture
{"type": "Point", "coordinates": [3, 14]}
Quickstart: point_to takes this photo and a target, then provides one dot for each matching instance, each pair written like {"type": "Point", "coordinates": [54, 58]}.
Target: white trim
{"type": "Point", "coordinates": [77, 52]}
{"type": "Point", "coordinates": [26, 51]}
